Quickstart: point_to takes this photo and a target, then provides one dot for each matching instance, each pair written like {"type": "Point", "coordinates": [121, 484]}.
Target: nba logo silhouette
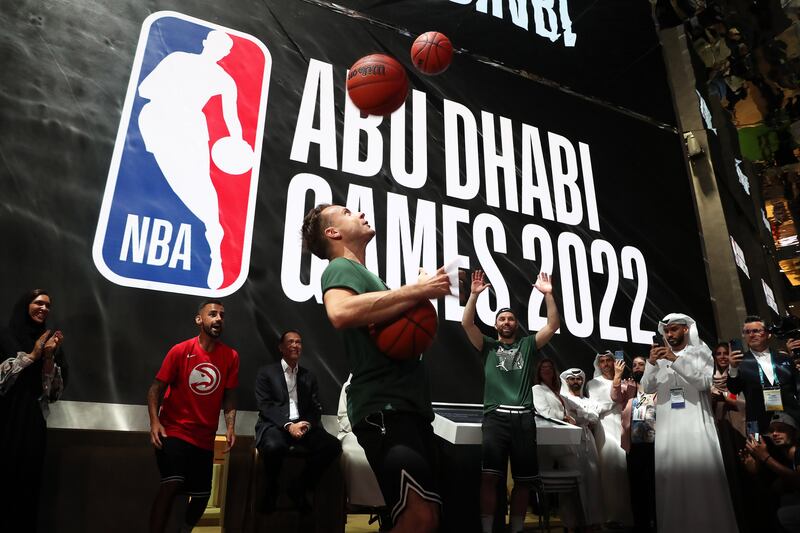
{"type": "Point", "coordinates": [177, 213]}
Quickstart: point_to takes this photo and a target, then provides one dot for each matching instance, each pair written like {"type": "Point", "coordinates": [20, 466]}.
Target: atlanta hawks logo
{"type": "Point", "coordinates": [204, 379]}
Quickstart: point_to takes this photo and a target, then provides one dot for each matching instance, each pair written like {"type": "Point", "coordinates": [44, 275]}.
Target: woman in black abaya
{"type": "Point", "coordinates": [29, 384]}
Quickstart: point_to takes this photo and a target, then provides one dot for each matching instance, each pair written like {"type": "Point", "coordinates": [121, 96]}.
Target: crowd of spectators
{"type": "Point", "coordinates": [710, 429]}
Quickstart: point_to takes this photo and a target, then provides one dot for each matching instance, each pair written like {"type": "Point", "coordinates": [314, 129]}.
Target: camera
{"type": "Point", "coordinates": [787, 328]}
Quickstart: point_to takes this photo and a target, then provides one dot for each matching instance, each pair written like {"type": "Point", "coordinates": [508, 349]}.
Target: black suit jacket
{"type": "Point", "coordinates": [749, 382]}
{"type": "Point", "coordinates": [272, 399]}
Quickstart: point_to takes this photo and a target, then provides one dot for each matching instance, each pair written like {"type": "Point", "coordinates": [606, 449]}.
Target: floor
{"type": "Point", "coordinates": [357, 523]}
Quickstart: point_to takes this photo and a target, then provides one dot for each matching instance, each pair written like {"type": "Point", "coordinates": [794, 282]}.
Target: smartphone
{"type": "Point", "coordinates": [752, 430]}
{"type": "Point", "coordinates": [658, 340]}
{"type": "Point", "coordinates": [619, 355]}
{"type": "Point", "coordinates": [736, 345]}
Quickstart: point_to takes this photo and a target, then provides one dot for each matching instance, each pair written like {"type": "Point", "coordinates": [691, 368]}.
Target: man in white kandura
{"type": "Point", "coordinates": [174, 130]}
{"type": "Point", "coordinates": [586, 414]}
{"type": "Point", "coordinates": [608, 436]}
{"type": "Point", "coordinates": [692, 491]}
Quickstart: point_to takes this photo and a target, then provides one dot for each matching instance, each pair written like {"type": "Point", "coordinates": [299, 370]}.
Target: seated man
{"type": "Point", "coordinates": [289, 414]}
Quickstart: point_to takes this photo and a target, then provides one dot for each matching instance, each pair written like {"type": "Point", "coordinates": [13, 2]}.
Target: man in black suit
{"type": "Point", "coordinates": [767, 378]}
{"type": "Point", "coordinates": [289, 415]}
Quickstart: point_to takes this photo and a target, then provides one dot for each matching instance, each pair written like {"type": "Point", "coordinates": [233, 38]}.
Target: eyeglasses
{"type": "Point", "coordinates": [753, 331]}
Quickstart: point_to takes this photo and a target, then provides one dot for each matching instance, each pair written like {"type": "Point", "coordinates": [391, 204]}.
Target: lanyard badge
{"type": "Point", "coordinates": [772, 395]}
{"type": "Point", "coordinates": [772, 399]}
{"type": "Point", "coordinates": [677, 398]}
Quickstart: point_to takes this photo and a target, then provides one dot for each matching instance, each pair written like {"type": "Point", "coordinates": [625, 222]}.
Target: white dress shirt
{"type": "Point", "coordinates": [765, 360]}
{"type": "Point", "coordinates": [291, 384]}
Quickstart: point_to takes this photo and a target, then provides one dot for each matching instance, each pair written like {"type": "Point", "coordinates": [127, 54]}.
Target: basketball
{"type": "Point", "coordinates": [431, 52]}
{"type": "Point", "coordinates": [377, 84]}
{"type": "Point", "coordinates": [409, 335]}
{"type": "Point", "coordinates": [232, 156]}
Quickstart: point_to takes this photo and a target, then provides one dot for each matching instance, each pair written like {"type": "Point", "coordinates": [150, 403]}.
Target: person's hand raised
{"type": "Point", "coordinates": [543, 283]}
{"type": "Point", "coordinates": [479, 282]}
{"type": "Point", "coordinates": [619, 368]}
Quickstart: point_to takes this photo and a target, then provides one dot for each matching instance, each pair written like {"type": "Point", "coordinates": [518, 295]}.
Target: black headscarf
{"type": "Point", "coordinates": [22, 330]}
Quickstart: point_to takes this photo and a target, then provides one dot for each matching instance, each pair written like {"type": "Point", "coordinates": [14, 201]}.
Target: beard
{"type": "Point", "coordinates": [211, 332]}
{"type": "Point", "coordinates": [676, 341]}
{"type": "Point", "coordinates": [507, 334]}
{"type": "Point", "coordinates": [637, 376]}
{"type": "Point", "coordinates": [576, 388]}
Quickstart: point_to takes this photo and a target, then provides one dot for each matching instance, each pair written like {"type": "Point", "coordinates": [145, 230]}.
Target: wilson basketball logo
{"type": "Point", "coordinates": [178, 209]}
{"type": "Point", "coordinates": [204, 379]}
{"type": "Point", "coordinates": [368, 70]}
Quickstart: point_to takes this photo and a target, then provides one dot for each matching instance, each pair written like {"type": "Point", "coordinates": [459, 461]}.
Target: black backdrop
{"type": "Point", "coordinates": [65, 71]}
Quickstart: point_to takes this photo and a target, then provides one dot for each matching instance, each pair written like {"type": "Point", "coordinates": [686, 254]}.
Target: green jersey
{"type": "Point", "coordinates": [509, 372]}
{"type": "Point", "coordinates": [379, 383]}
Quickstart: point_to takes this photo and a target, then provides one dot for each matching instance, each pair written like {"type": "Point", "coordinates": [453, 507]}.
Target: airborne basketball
{"type": "Point", "coordinates": [432, 53]}
{"type": "Point", "coordinates": [377, 84]}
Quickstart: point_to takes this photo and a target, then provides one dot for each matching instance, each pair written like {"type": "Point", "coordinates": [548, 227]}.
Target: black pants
{"type": "Point", "coordinates": [642, 479]}
{"type": "Point", "coordinates": [321, 448]}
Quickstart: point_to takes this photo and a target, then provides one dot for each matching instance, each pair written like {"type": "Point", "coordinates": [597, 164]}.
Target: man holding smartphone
{"type": "Point", "coordinates": [768, 379]}
{"type": "Point", "coordinates": [782, 432]}
{"type": "Point", "coordinates": [692, 491]}
{"type": "Point", "coordinates": [608, 436]}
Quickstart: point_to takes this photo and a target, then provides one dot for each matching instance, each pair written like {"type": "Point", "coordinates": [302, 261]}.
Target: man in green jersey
{"type": "Point", "coordinates": [509, 428]}
{"type": "Point", "coordinates": [388, 400]}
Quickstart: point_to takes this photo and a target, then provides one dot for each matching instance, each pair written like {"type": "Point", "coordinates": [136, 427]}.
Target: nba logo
{"type": "Point", "coordinates": [177, 213]}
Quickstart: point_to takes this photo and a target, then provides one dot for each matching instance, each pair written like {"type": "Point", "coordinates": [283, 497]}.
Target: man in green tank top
{"type": "Point", "coordinates": [388, 400]}
{"type": "Point", "coordinates": [509, 428]}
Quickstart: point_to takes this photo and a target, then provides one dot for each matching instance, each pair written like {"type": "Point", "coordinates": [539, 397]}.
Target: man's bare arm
{"type": "Point", "coordinates": [545, 286]}
{"type": "Point", "coordinates": [154, 395]}
{"type": "Point", "coordinates": [229, 409]}
{"type": "Point", "coordinates": [468, 318]}
{"type": "Point", "coordinates": [346, 309]}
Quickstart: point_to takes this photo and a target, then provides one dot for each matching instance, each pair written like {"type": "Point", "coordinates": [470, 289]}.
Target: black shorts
{"type": "Point", "coordinates": [401, 450]}
{"type": "Point", "coordinates": [186, 463]}
{"type": "Point", "coordinates": [514, 434]}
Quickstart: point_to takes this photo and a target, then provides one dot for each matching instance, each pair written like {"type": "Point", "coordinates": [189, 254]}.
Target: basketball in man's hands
{"type": "Point", "coordinates": [409, 335]}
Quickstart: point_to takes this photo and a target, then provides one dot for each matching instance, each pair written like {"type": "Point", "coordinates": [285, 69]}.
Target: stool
{"type": "Point", "coordinates": [558, 482]}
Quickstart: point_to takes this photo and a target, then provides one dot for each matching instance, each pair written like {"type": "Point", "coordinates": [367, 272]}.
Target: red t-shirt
{"type": "Point", "coordinates": [196, 382]}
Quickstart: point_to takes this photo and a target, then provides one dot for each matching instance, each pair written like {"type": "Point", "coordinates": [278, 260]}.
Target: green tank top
{"type": "Point", "coordinates": [509, 372]}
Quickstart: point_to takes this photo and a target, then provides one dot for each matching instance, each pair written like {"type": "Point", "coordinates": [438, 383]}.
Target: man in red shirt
{"type": "Point", "coordinates": [199, 376]}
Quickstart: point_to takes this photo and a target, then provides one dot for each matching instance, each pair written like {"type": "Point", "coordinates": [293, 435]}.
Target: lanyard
{"type": "Point", "coordinates": [776, 382]}
{"type": "Point", "coordinates": [639, 399]}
